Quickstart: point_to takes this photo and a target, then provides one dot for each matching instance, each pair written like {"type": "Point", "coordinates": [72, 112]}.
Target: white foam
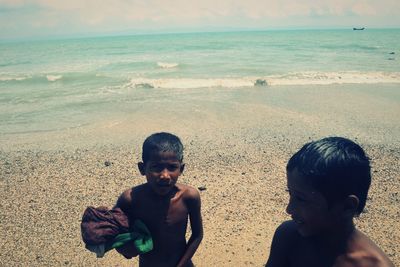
{"type": "Point", "coordinates": [9, 78]}
{"type": "Point", "coordinates": [326, 78]}
{"type": "Point", "coordinates": [182, 83]}
{"type": "Point", "coordinates": [299, 78]}
{"type": "Point", "coordinates": [53, 78]}
{"type": "Point", "coordinates": [166, 65]}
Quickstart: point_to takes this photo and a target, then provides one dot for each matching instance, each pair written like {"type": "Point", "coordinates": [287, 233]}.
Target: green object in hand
{"type": "Point", "coordinates": [140, 236]}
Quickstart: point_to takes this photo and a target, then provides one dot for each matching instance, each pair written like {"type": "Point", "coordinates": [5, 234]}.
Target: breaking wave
{"type": "Point", "coordinates": [303, 78]}
{"type": "Point", "coordinates": [53, 78]}
{"type": "Point", "coordinates": [166, 65]}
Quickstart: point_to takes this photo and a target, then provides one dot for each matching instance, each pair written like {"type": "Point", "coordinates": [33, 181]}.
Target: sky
{"type": "Point", "coordinates": [47, 18]}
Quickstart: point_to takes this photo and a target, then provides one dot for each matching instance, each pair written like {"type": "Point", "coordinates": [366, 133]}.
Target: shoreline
{"type": "Point", "coordinates": [369, 109]}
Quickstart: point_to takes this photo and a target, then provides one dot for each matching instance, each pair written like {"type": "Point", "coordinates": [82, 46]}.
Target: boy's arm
{"type": "Point", "coordinates": [281, 245]}
{"type": "Point", "coordinates": [124, 202]}
{"type": "Point", "coordinates": [194, 207]}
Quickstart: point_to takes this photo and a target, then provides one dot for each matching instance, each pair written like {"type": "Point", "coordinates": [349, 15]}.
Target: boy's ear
{"type": "Point", "coordinates": [142, 168]}
{"type": "Point", "coordinates": [351, 204]}
{"type": "Point", "coordinates": [182, 167]}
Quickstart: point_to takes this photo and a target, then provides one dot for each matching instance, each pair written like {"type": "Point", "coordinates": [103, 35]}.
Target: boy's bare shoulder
{"type": "Point", "coordinates": [190, 196]}
{"type": "Point", "coordinates": [188, 192]}
{"type": "Point", "coordinates": [286, 239]}
{"type": "Point", "coordinates": [125, 199]}
{"type": "Point", "coordinates": [363, 252]}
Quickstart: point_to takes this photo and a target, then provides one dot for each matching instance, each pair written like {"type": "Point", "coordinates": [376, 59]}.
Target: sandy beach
{"type": "Point", "coordinates": [237, 143]}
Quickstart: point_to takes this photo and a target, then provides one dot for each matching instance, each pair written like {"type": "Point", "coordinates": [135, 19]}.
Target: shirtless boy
{"type": "Point", "coordinates": [328, 182]}
{"type": "Point", "coordinates": [164, 205]}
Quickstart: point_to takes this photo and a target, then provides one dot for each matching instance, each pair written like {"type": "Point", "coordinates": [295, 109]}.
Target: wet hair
{"type": "Point", "coordinates": [162, 142]}
{"type": "Point", "coordinates": [336, 167]}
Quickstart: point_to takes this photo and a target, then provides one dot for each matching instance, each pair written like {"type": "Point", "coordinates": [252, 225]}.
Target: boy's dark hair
{"type": "Point", "coordinates": [336, 167]}
{"type": "Point", "coordinates": [162, 142]}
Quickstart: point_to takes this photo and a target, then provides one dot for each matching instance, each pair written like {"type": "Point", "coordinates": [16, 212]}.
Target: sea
{"type": "Point", "coordinates": [54, 84]}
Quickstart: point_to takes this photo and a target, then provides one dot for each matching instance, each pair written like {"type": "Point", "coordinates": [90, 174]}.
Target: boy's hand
{"type": "Point", "coordinates": [128, 250]}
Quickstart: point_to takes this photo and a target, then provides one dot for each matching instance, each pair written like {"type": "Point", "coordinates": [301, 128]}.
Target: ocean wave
{"type": "Point", "coordinates": [53, 78]}
{"type": "Point", "coordinates": [166, 65]}
{"type": "Point", "coordinates": [295, 78]}
{"type": "Point", "coordinates": [301, 78]}
{"type": "Point", "coordinates": [14, 63]}
{"type": "Point", "coordinates": [326, 78]}
{"type": "Point", "coordinates": [182, 83]}
{"type": "Point", "coordinates": [13, 78]}
{"type": "Point", "coordinates": [351, 47]}
{"type": "Point", "coordinates": [50, 78]}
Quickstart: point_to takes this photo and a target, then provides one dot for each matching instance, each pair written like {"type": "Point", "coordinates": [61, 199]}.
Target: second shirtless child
{"type": "Point", "coordinates": [328, 182]}
{"type": "Point", "coordinates": [164, 205]}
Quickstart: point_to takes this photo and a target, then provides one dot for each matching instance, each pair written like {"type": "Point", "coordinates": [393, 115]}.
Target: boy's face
{"type": "Point", "coordinates": [162, 170]}
{"type": "Point", "coordinates": [308, 207]}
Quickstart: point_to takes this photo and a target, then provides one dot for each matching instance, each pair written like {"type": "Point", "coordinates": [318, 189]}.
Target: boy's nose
{"type": "Point", "coordinates": [165, 174]}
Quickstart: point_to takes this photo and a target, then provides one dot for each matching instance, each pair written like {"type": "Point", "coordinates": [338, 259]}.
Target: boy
{"type": "Point", "coordinates": [164, 205]}
{"type": "Point", "coordinates": [328, 182]}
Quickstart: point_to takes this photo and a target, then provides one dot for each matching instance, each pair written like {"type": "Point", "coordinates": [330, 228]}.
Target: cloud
{"type": "Point", "coordinates": [184, 9]}
{"type": "Point", "coordinates": [107, 15]}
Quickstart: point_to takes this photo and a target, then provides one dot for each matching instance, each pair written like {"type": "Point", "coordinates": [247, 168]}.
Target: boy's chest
{"type": "Point", "coordinates": [160, 213]}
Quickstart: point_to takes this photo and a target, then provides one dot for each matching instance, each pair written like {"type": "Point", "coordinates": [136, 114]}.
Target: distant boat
{"type": "Point", "coordinates": [358, 29]}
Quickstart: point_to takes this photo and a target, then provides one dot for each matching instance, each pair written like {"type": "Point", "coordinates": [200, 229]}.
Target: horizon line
{"type": "Point", "coordinates": [128, 33]}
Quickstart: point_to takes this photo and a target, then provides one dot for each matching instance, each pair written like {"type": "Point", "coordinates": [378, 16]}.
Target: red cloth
{"type": "Point", "coordinates": [100, 225]}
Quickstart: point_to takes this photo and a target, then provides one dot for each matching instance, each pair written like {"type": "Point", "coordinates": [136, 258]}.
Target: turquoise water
{"type": "Point", "coordinates": [60, 82]}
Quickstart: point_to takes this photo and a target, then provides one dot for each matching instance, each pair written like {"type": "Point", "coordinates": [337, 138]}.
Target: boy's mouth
{"type": "Point", "coordinates": [163, 185]}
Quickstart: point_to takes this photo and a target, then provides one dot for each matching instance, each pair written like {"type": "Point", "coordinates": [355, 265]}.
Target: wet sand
{"type": "Point", "coordinates": [237, 142]}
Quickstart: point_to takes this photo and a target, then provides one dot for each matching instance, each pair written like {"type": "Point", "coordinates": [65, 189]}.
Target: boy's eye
{"type": "Point", "coordinates": [156, 168]}
{"type": "Point", "coordinates": [161, 167]}
{"type": "Point", "coordinates": [172, 167]}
